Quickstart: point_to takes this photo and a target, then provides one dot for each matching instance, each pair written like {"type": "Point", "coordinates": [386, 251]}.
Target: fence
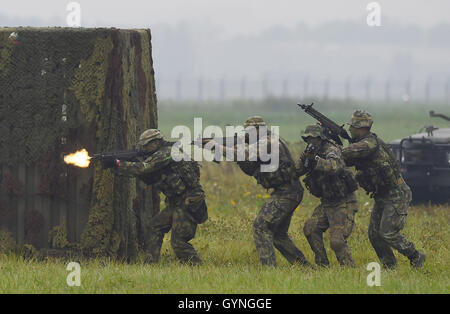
{"type": "Point", "coordinates": [368, 89]}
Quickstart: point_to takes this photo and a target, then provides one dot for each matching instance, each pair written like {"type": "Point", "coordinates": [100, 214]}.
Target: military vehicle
{"type": "Point", "coordinates": [425, 162]}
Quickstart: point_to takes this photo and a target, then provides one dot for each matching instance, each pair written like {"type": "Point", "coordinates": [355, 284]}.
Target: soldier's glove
{"type": "Point", "coordinates": [307, 156]}
{"type": "Point", "coordinates": [311, 156]}
{"type": "Point", "coordinates": [110, 163]}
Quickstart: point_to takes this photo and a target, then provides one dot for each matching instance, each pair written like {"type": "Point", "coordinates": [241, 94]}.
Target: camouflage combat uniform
{"type": "Point", "coordinates": [185, 201]}
{"type": "Point", "coordinates": [328, 178]}
{"type": "Point", "coordinates": [271, 225]}
{"type": "Point", "coordinates": [378, 172]}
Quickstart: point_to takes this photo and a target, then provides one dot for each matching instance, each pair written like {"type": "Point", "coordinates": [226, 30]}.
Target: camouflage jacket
{"type": "Point", "coordinates": [281, 173]}
{"type": "Point", "coordinates": [328, 177]}
{"type": "Point", "coordinates": [378, 169]}
{"type": "Point", "coordinates": [177, 180]}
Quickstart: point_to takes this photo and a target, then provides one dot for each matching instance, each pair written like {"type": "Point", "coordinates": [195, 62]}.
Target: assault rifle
{"type": "Point", "coordinates": [109, 159]}
{"type": "Point", "coordinates": [330, 128]}
{"type": "Point", "coordinates": [126, 155]}
{"type": "Point", "coordinates": [222, 140]}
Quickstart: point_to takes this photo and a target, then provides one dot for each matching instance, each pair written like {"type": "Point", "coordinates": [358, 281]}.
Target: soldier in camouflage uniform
{"type": "Point", "coordinates": [272, 222]}
{"type": "Point", "coordinates": [378, 172]}
{"type": "Point", "coordinates": [328, 178]}
{"type": "Point", "coordinates": [185, 199]}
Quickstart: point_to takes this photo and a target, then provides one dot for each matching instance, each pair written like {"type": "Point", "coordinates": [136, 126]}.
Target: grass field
{"type": "Point", "coordinates": [225, 241]}
{"type": "Point", "coordinates": [390, 121]}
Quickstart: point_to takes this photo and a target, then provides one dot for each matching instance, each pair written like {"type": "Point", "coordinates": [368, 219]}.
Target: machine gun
{"type": "Point", "coordinates": [330, 128]}
{"type": "Point", "coordinates": [438, 115]}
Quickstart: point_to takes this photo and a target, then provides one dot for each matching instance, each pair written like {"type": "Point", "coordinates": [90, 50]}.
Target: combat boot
{"type": "Point", "coordinates": [151, 259]}
{"type": "Point", "coordinates": [389, 266]}
{"type": "Point", "coordinates": [417, 259]}
{"type": "Point", "coordinates": [302, 261]}
{"type": "Point", "coordinates": [322, 260]}
{"type": "Point", "coordinates": [194, 260]}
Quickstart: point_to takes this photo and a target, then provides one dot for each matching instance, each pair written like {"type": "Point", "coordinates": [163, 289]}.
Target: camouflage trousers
{"type": "Point", "coordinates": [388, 218]}
{"type": "Point", "coordinates": [174, 216]}
{"type": "Point", "coordinates": [271, 225]}
{"type": "Point", "coordinates": [339, 217]}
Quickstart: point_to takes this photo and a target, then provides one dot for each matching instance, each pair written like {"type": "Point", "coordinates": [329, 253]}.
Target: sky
{"type": "Point", "coordinates": [324, 42]}
{"type": "Point", "coordinates": [231, 16]}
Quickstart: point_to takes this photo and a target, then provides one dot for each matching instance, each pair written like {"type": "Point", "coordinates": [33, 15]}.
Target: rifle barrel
{"type": "Point", "coordinates": [325, 121]}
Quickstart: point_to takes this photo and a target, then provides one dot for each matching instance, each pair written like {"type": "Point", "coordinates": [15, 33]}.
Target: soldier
{"type": "Point", "coordinates": [378, 172]}
{"type": "Point", "coordinates": [185, 199]}
{"type": "Point", "coordinates": [328, 178]}
{"type": "Point", "coordinates": [271, 225]}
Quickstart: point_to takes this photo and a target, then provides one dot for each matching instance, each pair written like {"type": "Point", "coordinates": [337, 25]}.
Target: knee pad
{"type": "Point", "coordinates": [280, 238]}
{"type": "Point", "coordinates": [337, 244]}
{"type": "Point", "coordinates": [387, 236]}
{"type": "Point", "coordinates": [261, 226]}
{"type": "Point", "coordinates": [174, 242]}
{"type": "Point", "coordinates": [309, 227]}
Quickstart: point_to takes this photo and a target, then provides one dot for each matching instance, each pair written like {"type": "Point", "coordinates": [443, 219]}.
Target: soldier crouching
{"type": "Point", "coordinates": [270, 228]}
{"type": "Point", "coordinates": [378, 172]}
{"type": "Point", "coordinates": [328, 178]}
{"type": "Point", "coordinates": [185, 199]}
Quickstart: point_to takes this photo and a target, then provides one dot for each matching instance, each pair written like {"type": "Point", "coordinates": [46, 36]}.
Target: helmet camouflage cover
{"type": "Point", "coordinates": [361, 119]}
{"type": "Point", "coordinates": [254, 121]}
{"type": "Point", "coordinates": [148, 136]}
{"type": "Point", "coordinates": [313, 131]}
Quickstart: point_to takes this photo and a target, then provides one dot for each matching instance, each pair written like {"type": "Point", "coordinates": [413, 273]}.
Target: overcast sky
{"type": "Point", "coordinates": [274, 39]}
{"type": "Point", "coordinates": [231, 16]}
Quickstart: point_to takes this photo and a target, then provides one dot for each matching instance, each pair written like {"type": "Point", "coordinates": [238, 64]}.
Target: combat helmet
{"type": "Point", "coordinates": [361, 119]}
{"type": "Point", "coordinates": [314, 130]}
{"type": "Point", "coordinates": [254, 121]}
{"type": "Point", "coordinates": [148, 136]}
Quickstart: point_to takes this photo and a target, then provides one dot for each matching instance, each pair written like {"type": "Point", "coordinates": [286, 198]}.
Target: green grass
{"type": "Point", "coordinates": [390, 122]}
{"type": "Point", "coordinates": [172, 278]}
{"type": "Point", "coordinates": [225, 241]}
